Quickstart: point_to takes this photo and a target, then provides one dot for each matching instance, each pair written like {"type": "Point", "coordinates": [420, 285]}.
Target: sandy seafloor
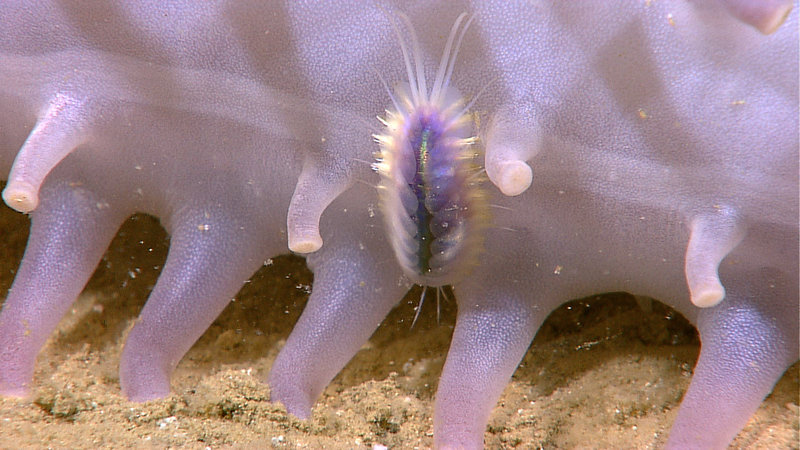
{"type": "Point", "coordinates": [605, 372]}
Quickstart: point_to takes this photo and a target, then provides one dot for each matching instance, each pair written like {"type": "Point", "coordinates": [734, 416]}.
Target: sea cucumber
{"type": "Point", "coordinates": [652, 151]}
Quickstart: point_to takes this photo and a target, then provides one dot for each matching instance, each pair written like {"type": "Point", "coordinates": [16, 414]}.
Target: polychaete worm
{"type": "Point", "coordinates": [430, 189]}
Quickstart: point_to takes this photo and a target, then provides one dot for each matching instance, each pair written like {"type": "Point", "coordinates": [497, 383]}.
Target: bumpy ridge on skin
{"type": "Point", "coordinates": [713, 237]}
{"type": "Point", "coordinates": [315, 190]}
{"type": "Point", "coordinates": [58, 132]}
{"type": "Point", "coordinates": [765, 15]}
{"type": "Point", "coordinates": [512, 177]}
{"type": "Point", "coordinates": [430, 190]}
{"type": "Point", "coordinates": [508, 148]}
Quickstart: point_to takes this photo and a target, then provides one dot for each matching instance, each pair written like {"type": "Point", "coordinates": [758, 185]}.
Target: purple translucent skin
{"type": "Point", "coordinates": [645, 123]}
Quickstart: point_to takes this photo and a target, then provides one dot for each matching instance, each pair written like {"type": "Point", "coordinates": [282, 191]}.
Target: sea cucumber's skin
{"type": "Point", "coordinates": [639, 119]}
